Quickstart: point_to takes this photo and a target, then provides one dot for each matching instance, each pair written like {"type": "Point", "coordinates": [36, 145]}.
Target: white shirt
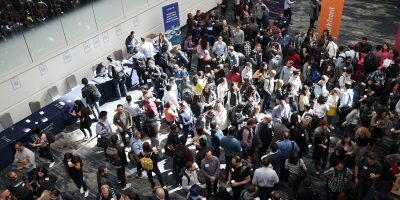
{"type": "Point", "coordinates": [320, 109]}
{"type": "Point", "coordinates": [170, 96]}
{"type": "Point", "coordinates": [342, 80]}
{"type": "Point", "coordinates": [288, 3]}
{"type": "Point", "coordinates": [222, 89]}
{"type": "Point", "coordinates": [133, 109]}
{"type": "Point", "coordinates": [147, 49]}
{"type": "Point", "coordinates": [296, 84]}
{"type": "Point", "coordinates": [346, 99]}
{"type": "Point", "coordinates": [247, 72]}
{"type": "Point", "coordinates": [331, 48]}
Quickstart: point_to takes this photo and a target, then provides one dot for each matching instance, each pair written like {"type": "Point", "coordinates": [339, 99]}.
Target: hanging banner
{"type": "Point", "coordinates": [331, 17]}
{"type": "Point", "coordinates": [397, 43]}
{"type": "Point", "coordinates": [171, 23]}
{"type": "Point", "coordinates": [275, 7]}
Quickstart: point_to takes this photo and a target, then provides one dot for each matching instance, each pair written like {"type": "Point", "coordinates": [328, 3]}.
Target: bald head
{"type": "Point", "coordinates": [160, 193]}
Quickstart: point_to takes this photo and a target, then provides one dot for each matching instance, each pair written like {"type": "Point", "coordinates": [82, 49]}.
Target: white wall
{"type": "Point", "coordinates": [37, 77]}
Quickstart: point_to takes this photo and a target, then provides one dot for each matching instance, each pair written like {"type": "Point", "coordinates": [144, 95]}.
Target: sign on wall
{"type": "Point", "coordinates": [172, 25]}
{"type": "Point", "coordinates": [331, 17]}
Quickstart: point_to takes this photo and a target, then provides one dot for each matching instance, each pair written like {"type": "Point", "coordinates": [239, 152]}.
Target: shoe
{"type": "Point", "coordinates": [86, 193]}
{"type": "Point", "coordinates": [82, 190]}
{"type": "Point", "coordinates": [119, 181]}
{"type": "Point", "coordinates": [52, 164]}
{"type": "Point", "coordinates": [126, 186]}
{"type": "Point", "coordinates": [139, 176]}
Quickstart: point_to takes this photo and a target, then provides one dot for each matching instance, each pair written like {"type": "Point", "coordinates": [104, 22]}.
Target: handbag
{"type": "Point", "coordinates": [332, 112]}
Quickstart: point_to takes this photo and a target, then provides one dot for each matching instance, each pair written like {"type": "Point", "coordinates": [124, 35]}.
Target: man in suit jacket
{"type": "Point", "coordinates": [123, 122]}
{"type": "Point", "coordinates": [186, 118]}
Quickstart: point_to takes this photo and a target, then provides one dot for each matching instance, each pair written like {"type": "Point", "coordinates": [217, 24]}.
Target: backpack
{"type": "Point", "coordinates": [240, 133]}
{"type": "Point", "coordinates": [112, 154]}
{"type": "Point", "coordinates": [187, 95]}
{"type": "Point", "coordinates": [182, 174]}
{"type": "Point", "coordinates": [140, 64]}
{"type": "Point", "coordinates": [119, 70]}
{"type": "Point", "coordinates": [147, 162]}
{"type": "Point", "coordinates": [94, 94]}
{"type": "Point", "coordinates": [164, 59]}
{"type": "Point", "coordinates": [315, 76]}
{"type": "Point", "coordinates": [370, 62]}
{"type": "Point", "coordinates": [50, 137]}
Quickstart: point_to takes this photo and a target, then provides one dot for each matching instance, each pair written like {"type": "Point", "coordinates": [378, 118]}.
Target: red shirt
{"type": "Point", "coordinates": [233, 77]}
{"type": "Point", "coordinates": [296, 60]}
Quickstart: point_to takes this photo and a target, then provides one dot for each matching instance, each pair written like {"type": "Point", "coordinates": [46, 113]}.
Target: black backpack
{"type": "Point", "coordinates": [180, 158]}
{"type": "Point", "coordinates": [370, 62]}
{"type": "Point", "coordinates": [183, 173]}
{"type": "Point", "coordinates": [164, 59]}
{"type": "Point", "coordinates": [187, 95]}
{"type": "Point", "coordinates": [140, 64]}
{"type": "Point", "coordinates": [94, 93]}
{"type": "Point", "coordinates": [50, 137]}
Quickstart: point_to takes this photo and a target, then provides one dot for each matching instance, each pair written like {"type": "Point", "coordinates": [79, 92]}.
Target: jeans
{"type": "Point", "coordinates": [121, 175]}
{"type": "Point", "coordinates": [158, 174]}
{"type": "Point", "coordinates": [264, 193]}
{"type": "Point", "coordinates": [95, 105]}
{"type": "Point", "coordinates": [288, 14]}
{"type": "Point", "coordinates": [120, 87]}
{"type": "Point", "coordinates": [79, 182]}
{"type": "Point", "coordinates": [267, 99]}
{"type": "Point", "coordinates": [45, 152]}
{"type": "Point", "coordinates": [214, 186]}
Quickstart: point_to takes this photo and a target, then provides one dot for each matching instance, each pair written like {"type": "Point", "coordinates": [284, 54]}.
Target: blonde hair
{"type": "Point", "coordinates": [363, 132]}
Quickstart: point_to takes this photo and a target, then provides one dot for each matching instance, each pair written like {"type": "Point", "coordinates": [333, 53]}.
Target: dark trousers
{"type": "Point", "coordinates": [82, 127]}
{"type": "Point", "coordinates": [45, 152]}
{"type": "Point", "coordinates": [158, 174]}
{"type": "Point", "coordinates": [79, 182]}
{"type": "Point", "coordinates": [121, 175]}
{"type": "Point", "coordinates": [342, 115]}
{"type": "Point", "coordinates": [264, 192]}
{"type": "Point", "coordinates": [136, 120]}
{"type": "Point", "coordinates": [212, 187]}
{"type": "Point", "coordinates": [331, 195]}
{"type": "Point", "coordinates": [123, 137]}
{"type": "Point", "coordinates": [142, 77]}
{"type": "Point", "coordinates": [288, 13]}
{"type": "Point", "coordinates": [31, 175]}
{"type": "Point", "coordinates": [267, 99]}
{"type": "Point", "coordinates": [237, 191]}
{"type": "Point", "coordinates": [139, 169]}
{"type": "Point", "coordinates": [228, 161]}
{"type": "Point", "coordinates": [320, 155]}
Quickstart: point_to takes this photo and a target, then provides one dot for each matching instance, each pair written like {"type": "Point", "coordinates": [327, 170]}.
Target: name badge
{"type": "Point", "coordinates": [365, 168]}
{"type": "Point", "coordinates": [207, 165]}
{"type": "Point", "coordinates": [302, 135]}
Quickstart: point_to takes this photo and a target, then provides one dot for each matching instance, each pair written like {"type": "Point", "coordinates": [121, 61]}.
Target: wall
{"type": "Point", "coordinates": [32, 79]}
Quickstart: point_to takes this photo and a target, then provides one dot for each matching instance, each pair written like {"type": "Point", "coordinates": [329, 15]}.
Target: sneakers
{"type": "Point", "coordinates": [52, 164]}
{"type": "Point", "coordinates": [126, 186]}
{"type": "Point", "coordinates": [86, 193]}
{"type": "Point", "coordinates": [81, 190]}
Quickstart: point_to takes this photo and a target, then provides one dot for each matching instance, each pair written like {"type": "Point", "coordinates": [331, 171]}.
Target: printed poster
{"type": "Point", "coordinates": [171, 23]}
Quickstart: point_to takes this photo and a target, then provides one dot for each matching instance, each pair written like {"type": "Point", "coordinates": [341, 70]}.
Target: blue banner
{"type": "Point", "coordinates": [171, 23]}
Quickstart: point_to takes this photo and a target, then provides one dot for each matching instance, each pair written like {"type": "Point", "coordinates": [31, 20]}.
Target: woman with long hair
{"type": "Point", "coordinates": [348, 145]}
{"type": "Point", "coordinates": [208, 97]}
{"type": "Point", "coordinates": [222, 119]}
{"type": "Point", "coordinates": [197, 105]}
{"type": "Point", "coordinates": [44, 181]}
{"type": "Point", "coordinates": [333, 100]}
{"type": "Point", "coordinates": [82, 113]}
{"type": "Point", "coordinates": [379, 123]}
{"type": "Point", "coordinates": [73, 167]}
{"type": "Point", "coordinates": [43, 145]}
{"type": "Point", "coordinates": [304, 99]}
{"type": "Point", "coordinates": [152, 154]}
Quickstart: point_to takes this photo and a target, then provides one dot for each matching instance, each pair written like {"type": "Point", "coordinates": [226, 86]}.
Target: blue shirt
{"type": "Point", "coordinates": [285, 147]}
{"type": "Point", "coordinates": [220, 49]}
{"type": "Point", "coordinates": [231, 146]}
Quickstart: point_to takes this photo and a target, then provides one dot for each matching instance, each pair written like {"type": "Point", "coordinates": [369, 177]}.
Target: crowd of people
{"type": "Point", "coordinates": [259, 99]}
{"type": "Point", "coordinates": [19, 15]}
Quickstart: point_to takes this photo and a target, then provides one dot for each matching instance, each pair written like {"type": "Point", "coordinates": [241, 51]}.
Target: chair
{"type": "Point", "coordinates": [71, 82]}
{"type": "Point", "coordinates": [34, 106]}
{"type": "Point", "coordinates": [6, 120]}
{"type": "Point", "coordinates": [53, 93]}
{"type": "Point", "coordinates": [118, 55]}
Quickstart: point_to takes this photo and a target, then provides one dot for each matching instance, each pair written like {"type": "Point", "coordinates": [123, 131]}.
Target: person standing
{"type": "Point", "coordinates": [117, 74]}
{"type": "Point", "coordinates": [123, 121]}
{"type": "Point", "coordinates": [238, 38]}
{"type": "Point", "coordinates": [210, 168]}
{"type": "Point", "coordinates": [189, 177]}
{"type": "Point", "coordinates": [186, 118]}
{"type": "Point", "coordinates": [137, 149]}
{"type": "Point", "coordinates": [149, 160]}
{"type": "Point", "coordinates": [135, 112]}
{"type": "Point", "coordinates": [121, 163]}
{"type": "Point", "coordinates": [367, 172]}
{"type": "Point", "coordinates": [288, 10]}
{"type": "Point", "coordinates": [297, 169]}
{"type": "Point", "coordinates": [24, 159]}
{"type": "Point", "coordinates": [106, 192]}
{"type": "Point", "coordinates": [337, 176]}
{"type": "Point", "coordinates": [82, 112]}
{"type": "Point", "coordinates": [18, 186]}
{"type": "Point", "coordinates": [91, 95]}
{"type": "Point", "coordinates": [231, 147]}
{"type": "Point", "coordinates": [73, 166]}
{"type": "Point", "coordinates": [238, 177]}
{"type": "Point", "coordinates": [103, 130]}
{"type": "Point", "coordinates": [43, 145]}
{"type": "Point", "coordinates": [264, 132]}
{"type": "Point", "coordinates": [102, 177]}
{"type": "Point", "coordinates": [269, 83]}
{"type": "Point", "coordinates": [266, 179]}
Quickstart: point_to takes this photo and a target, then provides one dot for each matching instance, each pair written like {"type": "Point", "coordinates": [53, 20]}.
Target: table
{"type": "Point", "coordinates": [106, 86]}
{"type": "Point", "coordinates": [53, 118]}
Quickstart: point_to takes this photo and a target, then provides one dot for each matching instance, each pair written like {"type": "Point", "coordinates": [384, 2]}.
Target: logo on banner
{"type": "Point", "coordinates": [331, 17]}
